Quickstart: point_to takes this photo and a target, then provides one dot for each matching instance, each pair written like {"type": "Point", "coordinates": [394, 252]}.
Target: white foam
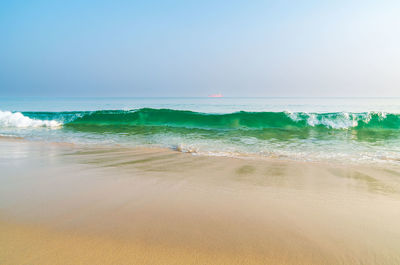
{"type": "Point", "coordinates": [293, 115]}
{"type": "Point", "coordinates": [18, 120]}
{"type": "Point", "coordinates": [186, 148]}
{"type": "Point", "coordinates": [344, 121]}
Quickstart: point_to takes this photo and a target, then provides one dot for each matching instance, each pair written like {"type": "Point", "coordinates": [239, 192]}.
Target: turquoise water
{"type": "Point", "coordinates": [337, 129]}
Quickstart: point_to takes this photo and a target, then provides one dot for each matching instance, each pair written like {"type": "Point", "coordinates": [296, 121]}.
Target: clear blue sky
{"type": "Point", "coordinates": [194, 48]}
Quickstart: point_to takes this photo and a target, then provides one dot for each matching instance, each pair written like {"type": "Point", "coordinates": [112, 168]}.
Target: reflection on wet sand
{"type": "Point", "coordinates": [64, 204]}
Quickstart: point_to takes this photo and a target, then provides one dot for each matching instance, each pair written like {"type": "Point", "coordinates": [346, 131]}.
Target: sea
{"type": "Point", "coordinates": [340, 130]}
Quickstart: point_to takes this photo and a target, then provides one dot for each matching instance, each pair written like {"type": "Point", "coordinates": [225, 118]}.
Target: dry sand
{"type": "Point", "coordinates": [66, 204]}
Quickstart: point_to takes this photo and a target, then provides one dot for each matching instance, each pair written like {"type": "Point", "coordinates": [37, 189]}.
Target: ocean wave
{"type": "Point", "coordinates": [122, 120]}
{"type": "Point", "coordinates": [238, 120]}
{"type": "Point", "coordinates": [346, 136]}
{"type": "Point", "coordinates": [18, 120]}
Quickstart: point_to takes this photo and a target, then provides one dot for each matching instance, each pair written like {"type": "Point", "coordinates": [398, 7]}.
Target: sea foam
{"type": "Point", "coordinates": [18, 120]}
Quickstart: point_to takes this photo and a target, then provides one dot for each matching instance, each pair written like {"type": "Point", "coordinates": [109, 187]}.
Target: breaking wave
{"type": "Point", "coordinates": [18, 120]}
{"type": "Point", "coordinates": [188, 119]}
{"type": "Point", "coordinates": [302, 135]}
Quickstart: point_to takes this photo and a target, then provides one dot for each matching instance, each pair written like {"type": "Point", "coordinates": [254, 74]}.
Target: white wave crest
{"type": "Point", "coordinates": [18, 120]}
{"type": "Point", "coordinates": [342, 121]}
{"type": "Point", "coordinates": [293, 115]}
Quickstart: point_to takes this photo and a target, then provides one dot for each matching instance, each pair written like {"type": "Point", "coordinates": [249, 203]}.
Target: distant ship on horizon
{"type": "Point", "coordinates": [219, 95]}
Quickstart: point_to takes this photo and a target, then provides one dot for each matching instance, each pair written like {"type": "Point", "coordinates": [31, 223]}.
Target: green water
{"type": "Point", "coordinates": [119, 119]}
{"type": "Point", "coordinates": [359, 136]}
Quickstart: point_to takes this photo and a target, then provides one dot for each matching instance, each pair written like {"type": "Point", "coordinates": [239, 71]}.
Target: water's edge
{"type": "Point", "coordinates": [348, 136]}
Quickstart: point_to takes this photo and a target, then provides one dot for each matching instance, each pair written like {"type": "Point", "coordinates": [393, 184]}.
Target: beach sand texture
{"type": "Point", "coordinates": [71, 204]}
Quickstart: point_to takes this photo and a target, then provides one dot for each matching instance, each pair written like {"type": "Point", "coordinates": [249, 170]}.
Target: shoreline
{"type": "Point", "coordinates": [343, 137]}
{"type": "Point", "coordinates": [63, 204]}
{"type": "Point", "coordinates": [236, 155]}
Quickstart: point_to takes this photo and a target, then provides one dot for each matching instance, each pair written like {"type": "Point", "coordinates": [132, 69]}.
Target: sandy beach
{"type": "Point", "coordinates": [71, 204]}
{"type": "Point", "coordinates": [200, 132]}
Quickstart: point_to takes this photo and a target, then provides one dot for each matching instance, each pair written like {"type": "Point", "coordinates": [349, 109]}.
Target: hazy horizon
{"type": "Point", "coordinates": [193, 49]}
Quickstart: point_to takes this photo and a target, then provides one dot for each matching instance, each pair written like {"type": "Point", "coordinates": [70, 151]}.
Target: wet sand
{"type": "Point", "coordinates": [69, 204]}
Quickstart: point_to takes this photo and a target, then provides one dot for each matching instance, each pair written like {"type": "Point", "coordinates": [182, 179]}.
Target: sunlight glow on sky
{"type": "Point", "coordinates": [196, 48]}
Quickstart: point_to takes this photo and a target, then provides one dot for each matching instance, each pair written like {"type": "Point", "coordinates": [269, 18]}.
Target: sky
{"type": "Point", "coordinates": [195, 48]}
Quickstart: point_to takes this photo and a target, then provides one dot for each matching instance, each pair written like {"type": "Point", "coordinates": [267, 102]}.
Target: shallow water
{"type": "Point", "coordinates": [344, 130]}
